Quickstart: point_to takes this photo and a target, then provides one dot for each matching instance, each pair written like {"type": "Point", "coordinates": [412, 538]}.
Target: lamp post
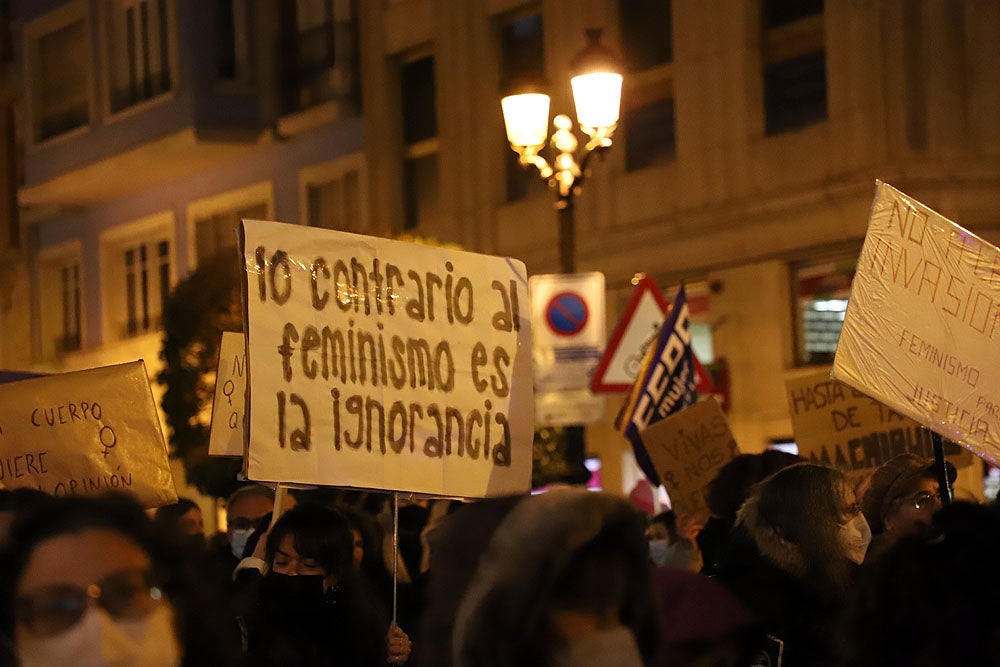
{"type": "Point", "coordinates": [597, 87]}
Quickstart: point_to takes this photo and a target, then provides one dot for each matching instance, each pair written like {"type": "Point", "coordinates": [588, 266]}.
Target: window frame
{"type": "Point", "coordinates": [318, 175]}
{"type": "Point", "coordinates": [48, 261]}
{"type": "Point", "coordinates": [223, 202]}
{"type": "Point", "coordinates": [105, 13]}
{"type": "Point", "coordinates": [34, 31]}
{"type": "Point", "coordinates": [147, 231]}
{"type": "Point", "coordinates": [786, 42]}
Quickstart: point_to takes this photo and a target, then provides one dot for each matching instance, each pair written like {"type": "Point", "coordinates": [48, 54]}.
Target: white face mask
{"type": "Point", "coordinates": [100, 641]}
{"type": "Point", "coordinates": [854, 537]}
{"type": "Point", "coordinates": [659, 551]}
{"type": "Point", "coordinates": [238, 540]}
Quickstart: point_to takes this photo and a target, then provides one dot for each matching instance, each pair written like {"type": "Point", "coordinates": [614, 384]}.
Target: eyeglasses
{"type": "Point", "coordinates": [51, 610]}
{"type": "Point", "coordinates": [924, 499]}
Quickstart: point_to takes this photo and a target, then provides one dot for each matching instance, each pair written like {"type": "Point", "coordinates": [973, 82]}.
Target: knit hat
{"type": "Point", "coordinates": [893, 480]}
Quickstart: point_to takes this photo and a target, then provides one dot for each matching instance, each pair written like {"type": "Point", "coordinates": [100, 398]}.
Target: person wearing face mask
{"type": "Point", "coordinates": [91, 584]}
{"type": "Point", "coordinates": [668, 548]}
{"type": "Point", "coordinates": [565, 580]}
{"type": "Point", "coordinates": [794, 558]}
{"type": "Point", "coordinates": [307, 608]}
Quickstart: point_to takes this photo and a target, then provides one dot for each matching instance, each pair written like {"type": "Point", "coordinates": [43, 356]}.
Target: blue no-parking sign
{"type": "Point", "coordinates": [569, 335]}
{"type": "Point", "coordinates": [567, 313]}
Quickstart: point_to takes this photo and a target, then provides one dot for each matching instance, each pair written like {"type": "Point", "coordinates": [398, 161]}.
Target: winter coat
{"type": "Point", "coordinates": [767, 575]}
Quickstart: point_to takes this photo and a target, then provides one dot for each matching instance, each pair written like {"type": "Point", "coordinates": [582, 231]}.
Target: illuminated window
{"type": "Point", "coordinates": [821, 294]}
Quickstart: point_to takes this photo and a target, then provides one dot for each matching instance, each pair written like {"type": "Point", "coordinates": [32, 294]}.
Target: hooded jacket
{"type": "Point", "coordinates": [768, 574]}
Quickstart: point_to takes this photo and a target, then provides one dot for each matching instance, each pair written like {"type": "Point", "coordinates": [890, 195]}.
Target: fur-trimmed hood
{"type": "Point", "coordinates": [768, 539]}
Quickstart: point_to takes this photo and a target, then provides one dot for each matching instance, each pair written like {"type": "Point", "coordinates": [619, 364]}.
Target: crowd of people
{"type": "Point", "coordinates": [795, 567]}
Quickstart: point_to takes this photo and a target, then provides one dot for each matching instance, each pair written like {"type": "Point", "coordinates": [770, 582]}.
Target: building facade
{"type": "Point", "coordinates": [138, 132]}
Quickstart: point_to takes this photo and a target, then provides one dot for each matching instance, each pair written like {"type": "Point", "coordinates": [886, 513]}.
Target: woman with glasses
{"type": "Point", "coordinates": [793, 561]}
{"type": "Point", "coordinates": [902, 499]}
{"type": "Point", "coordinates": [89, 583]}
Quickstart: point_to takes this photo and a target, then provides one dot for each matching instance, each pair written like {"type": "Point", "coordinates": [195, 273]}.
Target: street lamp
{"type": "Point", "coordinates": [597, 93]}
{"type": "Point", "coordinates": [597, 89]}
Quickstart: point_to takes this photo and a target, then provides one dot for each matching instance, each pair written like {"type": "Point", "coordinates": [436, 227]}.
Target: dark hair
{"type": "Point", "coordinates": [317, 532]}
{"type": "Point", "coordinates": [802, 504]}
{"type": "Point", "coordinates": [372, 564]}
{"type": "Point", "coordinates": [168, 517]}
{"type": "Point", "coordinates": [732, 484]}
{"type": "Point", "coordinates": [566, 550]}
{"type": "Point", "coordinates": [198, 613]}
{"type": "Point", "coordinates": [668, 520]}
{"type": "Point", "coordinates": [21, 499]}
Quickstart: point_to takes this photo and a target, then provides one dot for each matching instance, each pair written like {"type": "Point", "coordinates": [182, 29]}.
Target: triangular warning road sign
{"type": "Point", "coordinates": [635, 331]}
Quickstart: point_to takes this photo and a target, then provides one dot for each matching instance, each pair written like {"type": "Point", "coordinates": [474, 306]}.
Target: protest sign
{"type": "Point", "coordinates": [688, 448]}
{"type": "Point", "coordinates": [839, 426]}
{"type": "Point", "coordinates": [85, 433]}
{"type": "Point", "coordinates": [922, 325]}
{"type": "Point", "coordinates": [382, 364]}
{"type": "Point", "coordinates": [667, 382]}
{"type": "Point", "coordinates": [226, 435]}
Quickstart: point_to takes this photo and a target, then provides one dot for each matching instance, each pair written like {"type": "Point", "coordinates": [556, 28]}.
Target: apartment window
{"type": "Point", "coordinates": [138, 51]}
{"type": "Point", "coordinates": [217, 231]}
{"type": "Point", "coordinates": [147, 285]}
{"type": "Point", "coordinates": [420, 153]}
{"type": "Point", "coordinates": [335, 204]}
{"type": "Point", "coordinates": [59, 72]}
{"type": "Point", "coordinates": [794, 58]}
{"type": "Point", "coordinates": [60, 295]}
{"type": "Point", "coordinates": [317, 52]}
{"type": "Point", "coordinates": [70, 284]}
{"type": "Point", "coordinates": [650, 134]}
{"type": "Point", "coordinates": [646, 33]}
{"type": "Point", "coordinates": [648, 128]}
{"type": "Point", "coordinates": [235, 26]}
{"type": "Point", "coordinates": [821, 293]}
{"type": "Point", "coordinates": [522, 58]}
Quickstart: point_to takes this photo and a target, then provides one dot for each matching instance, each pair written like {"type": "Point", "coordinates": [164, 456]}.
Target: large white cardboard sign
{"type": "Point", "coordinates": [383, 364]}
{"type": "Point", "coordinates": [226, 435]}
{"type": "Point", "coordinates": [922, 328]}
{"type": "Point", "coordinates": [85, 433]}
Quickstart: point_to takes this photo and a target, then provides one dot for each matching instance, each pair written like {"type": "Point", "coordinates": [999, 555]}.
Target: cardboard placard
{"type": "Point", "coordinates": [688, 448]}
{"type": "Point", "coordinates": [382, 364]}
{"type": "Point", "coordinates": [226, 435]}
{"type": "Point", "coordinates": [922, 329]}
{"type": "Point", "coordinates": [85, 433]}
{"type": "Point", "coordinates": [839, 426]}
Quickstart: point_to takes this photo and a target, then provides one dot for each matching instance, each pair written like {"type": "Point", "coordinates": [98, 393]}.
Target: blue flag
{"type": "Point", "coordinates": [666, 383]}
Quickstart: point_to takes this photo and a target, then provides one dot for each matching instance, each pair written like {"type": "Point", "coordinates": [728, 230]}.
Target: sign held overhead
{"type": "Point", "coordinates": [922, 329]}
{"type": "Point", "coordinates": [383, 364]}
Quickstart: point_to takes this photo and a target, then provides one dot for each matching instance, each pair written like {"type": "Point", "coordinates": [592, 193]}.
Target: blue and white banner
{"type": "Point", "coordinates": [666, 382]}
